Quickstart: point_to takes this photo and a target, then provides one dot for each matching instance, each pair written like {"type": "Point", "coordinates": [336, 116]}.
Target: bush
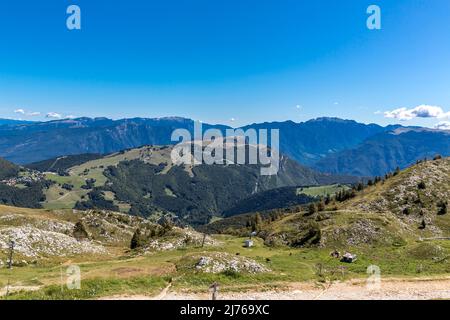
{"type": "Point", "coordinates": [96, 201]}
{"type": "Point", "coordinates": [231, 273]}
{"type": "Point", "coordinates": [166, 223]}
{"type": "Point", "coordinates": [422, 185]}
{"type": "Point", "coordinates": [321, 206]}
{"type": "Point", "coordinates": [79, 231]}
{"type": "Point", "coordinates": [308, 237]}
{"type": "Point", "coordinates": [137, 240]}
{"type": "Point", "coordinates": [442, 208]}
{"type": "Point", "coordinates": [422, 225]}
{"type": "Point", "coordinates": [311, 209]}
{"type": "Point", "coordinates": [90, 184]}
{"type": "Point", "coordinates": [67, 186]}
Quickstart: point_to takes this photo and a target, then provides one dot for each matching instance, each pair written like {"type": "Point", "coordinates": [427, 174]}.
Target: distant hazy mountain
{"type": "Point", "coordinates": [310, 141]}
{"type": "Point", "coordinates": [34, 142]}
{"type": "Point", "coordinates": [13, 122]}
{"type": "Point", "coordinates": [327, 144]}
{"type": "Point", "coordinates": [305, 142]}
{"type": "Point", "coordinates": [386, 151]}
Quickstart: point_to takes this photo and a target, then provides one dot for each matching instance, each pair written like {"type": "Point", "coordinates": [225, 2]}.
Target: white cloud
{"type": "Point", "coordinates": [443, 125]}
{"type": "Point", "coordinates": [27, 113]}
{"type": "Point", "coordinates": [53, 115]}
{"type": "Point", "coordinates": [21, 111]}
{"type": "Point", "coordinates": [422, 111]}
{"type": "Point", "coordinates": [232, 119]}
{"type": "Point", "coordinates": [70, 116]}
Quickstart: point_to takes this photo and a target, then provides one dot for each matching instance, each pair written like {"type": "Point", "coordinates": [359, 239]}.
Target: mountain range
{"type": "Point", "coordinates": [144, 182]}
{"type": "Point", "coordinates": [329, 145]}
{"type": "Point", "coordinates": [386, 151]}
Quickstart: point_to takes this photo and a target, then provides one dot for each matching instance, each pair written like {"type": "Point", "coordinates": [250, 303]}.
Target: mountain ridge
{"type": "Point", "coordinates": [386, 151]}
{"type": "Point", "coordinates": [326, 144]}
{"type": "Point", "coordinates": [32, 142]}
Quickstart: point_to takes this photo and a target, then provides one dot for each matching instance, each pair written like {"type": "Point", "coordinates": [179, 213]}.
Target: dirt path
{"type": "Point", "coordinates": [64, 196]}
{"type": "Point", "coordinates": [161, 296]}
{"type": "Point", "coordinates": [389, 289]}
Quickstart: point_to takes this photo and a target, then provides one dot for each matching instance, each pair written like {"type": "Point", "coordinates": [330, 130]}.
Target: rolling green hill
{"type": "Point", "coordinates": [406, 207]}
{"type": "Point", "coordinates": [48, 242]}
{"type": "Point", "coordinates": [284, 197]}
{"type": "Point", "coordinates": [290, 245]}
{"type": "Point", "coordinates": [143, 182]}
{"type": "Point", "coordinates": [270, 199]}
{"type": "Point", "coordinates": [63, 163]}
{"type": "Point", "coordinates": [417, 195]}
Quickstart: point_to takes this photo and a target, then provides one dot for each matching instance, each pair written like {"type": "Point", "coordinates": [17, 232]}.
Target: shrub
{"type": "Point", "coordinates": [442, 208]}
{"type": "Point", "coordinates": [166, 223]}
{"type": "Point", "coordinates": [137, 240]}
{"type": "Point", "coordinates": [79, 231]}
{"type": "Point", "coordinates": [231, 273]}
{"type": "Point", "coordinates": [67, 186]}
{"type": "Point", "coordinates": [311, 209]}
{"type": "Point", "coordinates": [422, 224]}
{"type": "Point", "coordinates": [321, 206]}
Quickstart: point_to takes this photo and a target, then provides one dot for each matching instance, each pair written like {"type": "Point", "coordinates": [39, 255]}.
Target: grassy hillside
{"type": "Point", "coordinates": [73, 187]}
{"type": "Point", "coordinates": [417, 197]}
{"type": "Point", "coordinates": [46, 247]}
{"type": "Point", "coordinates": [270, 199]}
{"type": "Point", "coordinates": [61, 164]}
{"type": "Point", "coordinates": [144, 182]}
{"type": "Point", "coordinates": [291, 245]}
{"type": "Point", "coordinates": [411, 204]}
{"type": "Point", "coordinates": [284, 197]}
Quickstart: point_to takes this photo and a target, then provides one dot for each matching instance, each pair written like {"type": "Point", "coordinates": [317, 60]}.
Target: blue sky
{"type": "Point", "coordinates": [247, 60]}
